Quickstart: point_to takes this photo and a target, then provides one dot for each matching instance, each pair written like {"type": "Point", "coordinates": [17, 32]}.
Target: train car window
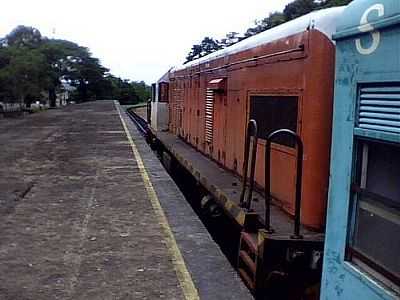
{"type": "Point", "coordinates": [163, 90]}
{"type": "Point", "coordinates": [153, 92]}
{"type": "Point", "coordinates": [375, 242]}
{"type": "Point", "coordinates": [275, 112]}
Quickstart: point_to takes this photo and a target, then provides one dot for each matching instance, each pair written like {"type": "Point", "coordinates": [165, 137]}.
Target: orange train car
{"type": "Point", "coordinates": [282, 78]}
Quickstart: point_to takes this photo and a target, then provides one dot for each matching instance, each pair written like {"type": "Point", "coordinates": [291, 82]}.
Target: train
{"type": "Point", "coordinates": [295, 134]}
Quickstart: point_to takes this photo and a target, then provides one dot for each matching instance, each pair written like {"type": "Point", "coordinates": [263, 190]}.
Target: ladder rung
{"type": "Point", "coordinates": [248, 261]}
{"type": "Point", "coordinates": [246, 278]}
{"type": "Point", "coordinates": [250, 241]}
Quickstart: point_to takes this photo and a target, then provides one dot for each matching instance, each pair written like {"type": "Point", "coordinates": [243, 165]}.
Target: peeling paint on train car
{"type": "Point", "coordinates": [368, 54]}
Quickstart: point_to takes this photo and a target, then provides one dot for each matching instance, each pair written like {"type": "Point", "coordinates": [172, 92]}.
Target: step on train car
{"type": "Point", "coordinates": [262, 111]}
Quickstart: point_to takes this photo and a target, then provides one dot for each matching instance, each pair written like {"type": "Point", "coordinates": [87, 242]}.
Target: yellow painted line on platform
{"type": "Point", "coordinates": [183, 275]}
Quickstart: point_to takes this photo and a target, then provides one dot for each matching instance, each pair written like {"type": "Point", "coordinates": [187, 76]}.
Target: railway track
{"type": "Point", "coordinates": [140, 123]}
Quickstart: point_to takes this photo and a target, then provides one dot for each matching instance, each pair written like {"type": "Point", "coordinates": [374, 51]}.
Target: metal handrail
{"type": "Point", "coordinates": [299, 144]}
{"type": "Point", "coordinates": [251, 133]}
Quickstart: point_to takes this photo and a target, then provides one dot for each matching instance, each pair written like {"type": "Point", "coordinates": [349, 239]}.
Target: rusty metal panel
{"type": "Point", "coordinates": [198, 109]}
{"type": "Point", "coordinates": [301, 65]}
{"type": "Point", "coordinates": [220, 128]}
{"type": "Point", "coordinates": [236, 117]}
{"type": "Point", "coordinates": [176, 107]}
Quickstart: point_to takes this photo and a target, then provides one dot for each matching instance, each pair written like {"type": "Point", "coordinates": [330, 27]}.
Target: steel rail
{"type": "Point", "coordinates": [140, 123]}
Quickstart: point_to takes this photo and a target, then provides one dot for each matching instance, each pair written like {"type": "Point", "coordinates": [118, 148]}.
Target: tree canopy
{"type": "Point", "coordinates": [32, 65]}
{"type": "Point", "coordinates": [292, 11]}
{"type": "Point", "coordinates": [207, 46]}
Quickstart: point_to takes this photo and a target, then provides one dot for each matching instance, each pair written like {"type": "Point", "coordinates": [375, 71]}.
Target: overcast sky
{"type": "Point", "coordinates": [136, 39]}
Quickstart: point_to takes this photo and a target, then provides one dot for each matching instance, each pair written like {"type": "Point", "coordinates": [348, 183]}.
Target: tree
{"type": "Point", "coordinates": [142, 90]}
{"type": "Point", "coordinates": [24, 75]}
{"type": "Point", "coordinates": [31, 64]}
{"type": "Point", "coordinates": [24, 36]}
{"type": "Point", "coordinates": [87, 74]}
{"type": "Point", "coordinates": [331, 3]}
{"type": "Point", "coordinates": [274, 19]}
{"type": "Point", "coordinates": [194, 53]}
{"type": "Point", "coordinates": [292, 10]}
{"type": "Point", "coordinates": [207, 46]}
{"type": "Point", "coordinates": [299, 8]}
{"type": "Point", "coordinates": [230, 39]}
{"type": "Point", "coordinates": [56, 53]}
{"type": "Point", "coordinates": [127, 92]}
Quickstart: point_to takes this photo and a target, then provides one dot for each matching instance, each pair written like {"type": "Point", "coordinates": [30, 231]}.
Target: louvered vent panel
{"type": "Point", "coordinates": [379, 109]}
{"type": "Point", "coordinates": [209, 116]}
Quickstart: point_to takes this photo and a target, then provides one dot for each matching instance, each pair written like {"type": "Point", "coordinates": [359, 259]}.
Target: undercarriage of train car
{"type": "Point", "coordinates": [272, 264]}
{"type": "Point", "coordinates": [275, 260]}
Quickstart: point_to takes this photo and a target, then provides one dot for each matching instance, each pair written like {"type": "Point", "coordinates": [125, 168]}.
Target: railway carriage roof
{"type": "Point", "coordinates": [323, 20]}
{"type": "Point", "coordinates": [164, 78]}
{"type": "Point", "coordinates": [379, 13]}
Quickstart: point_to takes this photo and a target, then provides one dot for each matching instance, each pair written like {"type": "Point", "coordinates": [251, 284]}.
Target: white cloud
{"type": "Point", "coordinates": [138, 40]}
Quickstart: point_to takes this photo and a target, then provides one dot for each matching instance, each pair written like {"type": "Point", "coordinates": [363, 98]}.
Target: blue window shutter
{"type": "Point", "coordinates": [379, 109]}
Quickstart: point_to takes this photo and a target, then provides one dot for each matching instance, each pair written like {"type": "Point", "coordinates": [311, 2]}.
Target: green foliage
{"type": "Point", "coordinates": [208, 45]}
{"type": "Point", "coordinates": [331, 3]}
{"type": "Point", "coordinates": [299, 8]}
{"type": "Point", "coordinates": [31, 64]}
{"type": "Point", "coordinates": [230, 39]}
{"type": "Point", "coordinates": [127, 92]}
{"type": "Point", "coordinates": [142, 90]}
{"type": "Point", "coordinates": [274, 19]}
{"type": "Point", "coordinates": [24, 36]}
{"type": "Point", "coordinates": [23, 75]}
{"type": "Point", "coordinates": [293, 10]}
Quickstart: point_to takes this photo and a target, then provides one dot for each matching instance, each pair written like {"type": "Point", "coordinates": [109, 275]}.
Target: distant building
{"type": "Point", "coordinates": [64, 94]}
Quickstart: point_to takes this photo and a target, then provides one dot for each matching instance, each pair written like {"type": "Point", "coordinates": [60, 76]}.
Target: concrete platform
{"type": "Point", "coordinates": [88, 212]}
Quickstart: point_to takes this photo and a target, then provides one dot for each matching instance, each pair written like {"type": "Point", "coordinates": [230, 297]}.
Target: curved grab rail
{"type": "Point", "coordinates": [252, 132]}
{"type": "Point", "coordinates": [299, 144]}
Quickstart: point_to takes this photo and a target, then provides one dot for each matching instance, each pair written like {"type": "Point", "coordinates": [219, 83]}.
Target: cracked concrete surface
{"type": "Point", "coordinates": [75, 221]}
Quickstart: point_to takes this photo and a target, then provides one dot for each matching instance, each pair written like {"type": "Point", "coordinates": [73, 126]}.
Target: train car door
{"type": "Point", "coordinates": [273, 112]}
{"type": "Point", "coordinates": [196, 113]}
{"type": "Point", "coordinates": [179, 108]}
{"type": "Point", "coordinates": [186, 109]}
{"type": "Point", "coordinates": [235, 131]}
{"type": "Point", "coordinates": [217, 90]}
{"type": "Point", "coordinates": [192, 113]}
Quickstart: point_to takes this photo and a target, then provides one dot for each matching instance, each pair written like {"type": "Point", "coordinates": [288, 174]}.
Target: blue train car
{"type": "Point", "coordinates": [362, 250]}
